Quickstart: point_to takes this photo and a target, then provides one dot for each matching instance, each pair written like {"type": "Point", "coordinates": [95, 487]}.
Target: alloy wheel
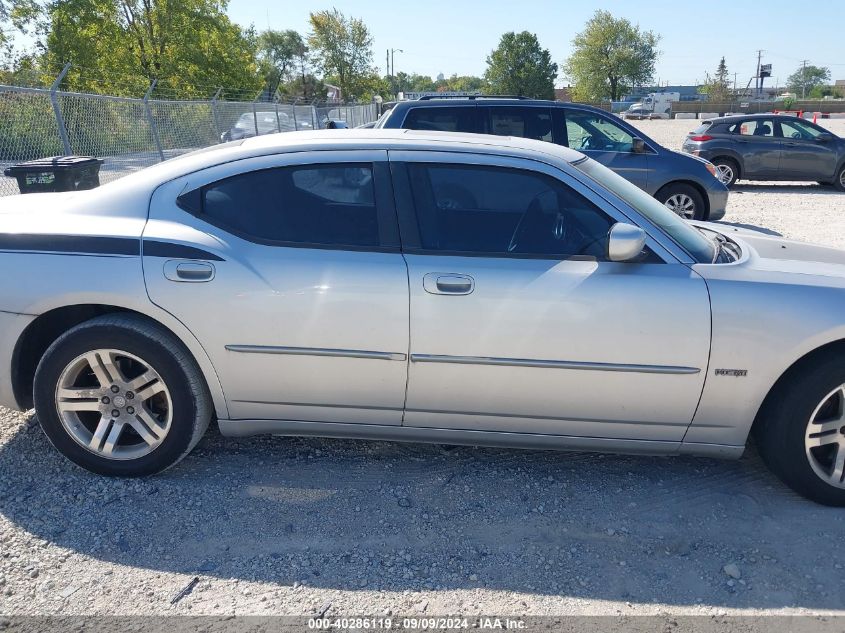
{"type": "Point", "coordinates": [114, 404]}
{"type": "Point", "coordinates": [824, 440]}
{"type": "Point", "coordinates": [726, 173]}
{"type": "Point", "coordinates": [681, 204]}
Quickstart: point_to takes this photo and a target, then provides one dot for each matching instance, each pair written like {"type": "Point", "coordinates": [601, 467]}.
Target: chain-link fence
{"type": "Point", "coordinates": [130, 134]}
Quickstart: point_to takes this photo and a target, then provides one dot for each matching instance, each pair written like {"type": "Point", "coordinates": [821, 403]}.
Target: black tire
{"type": "Point", "coordinates": [681, 189]}
{"type": "Point", "coordinates": [783, 423]}
{"type": "Point", "coordinates": [732, 165]}
{"type": "Point", "coordinates": [160, 351]}
{"type": "Point", "coordinates": [839, 181]}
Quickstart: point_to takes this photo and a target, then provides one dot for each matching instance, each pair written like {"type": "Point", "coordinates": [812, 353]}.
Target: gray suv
{"type": "Point", "coordinates": [687, 185]}
{"type": "Point", "coordinates": [769, 147]}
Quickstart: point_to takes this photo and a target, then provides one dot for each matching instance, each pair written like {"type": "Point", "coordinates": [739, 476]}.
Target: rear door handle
{"type": "Point", "coordinates": [188, 271]}
{"type": "Point", "coordinates": [448, 284]}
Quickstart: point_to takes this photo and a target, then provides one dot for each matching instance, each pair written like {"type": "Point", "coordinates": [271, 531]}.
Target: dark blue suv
{"type": "Point", "coordinates": [686, 184]}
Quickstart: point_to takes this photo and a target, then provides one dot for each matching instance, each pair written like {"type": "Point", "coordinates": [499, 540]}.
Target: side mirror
{"type": "Point", "coordinates": [333, 124]}
{"type": "Point", "coordinates": [824, 137]}
{"type": "Point", "coordinates": [637, 145]}
{"type": "Point", "coordinates": [625, 242]}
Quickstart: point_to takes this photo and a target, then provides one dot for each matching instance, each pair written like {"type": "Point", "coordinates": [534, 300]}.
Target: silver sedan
{"type": "Point", "coordinates": [418, 287]}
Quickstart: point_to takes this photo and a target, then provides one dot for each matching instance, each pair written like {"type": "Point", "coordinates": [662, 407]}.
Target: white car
{"type": "Point", "coordinates": [414, 286]}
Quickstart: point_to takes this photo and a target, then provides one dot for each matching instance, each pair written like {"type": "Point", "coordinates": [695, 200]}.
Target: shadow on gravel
{"type": "Point", "coordinates": [785, 187]}
{"type": "Point", "coordinates": [351, 515]}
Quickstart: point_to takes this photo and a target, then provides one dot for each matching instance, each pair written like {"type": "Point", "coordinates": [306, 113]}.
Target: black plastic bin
{"type": "Point", "coordinates": [57, 173]}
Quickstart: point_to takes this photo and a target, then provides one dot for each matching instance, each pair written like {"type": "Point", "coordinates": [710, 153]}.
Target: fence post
{"type": "Point", "coordinates": [277, 99]}
{"type": "Point", "coordinates": [151, 118]}
{"type": "Point", "coordinates": [295, 126]}
{"type": "Point", "coordinates": [255, 117]}
{"type": "Point", "coordinates": [214, 120]}
{"type": "Point", "coordinates": [60, 121]}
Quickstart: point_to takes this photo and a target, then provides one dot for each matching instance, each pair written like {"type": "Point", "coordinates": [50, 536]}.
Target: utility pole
{"type": "Point", "coordinates": [392, 65]}
{"type": "Point", "coordinates": [387, 62]}
{"type": "Point", "coordinates": [758, 85]}
{"type": "Point", "coordinates": [804, 78]}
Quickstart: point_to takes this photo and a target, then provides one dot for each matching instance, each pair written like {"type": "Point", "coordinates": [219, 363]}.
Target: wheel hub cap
{"type": "Point", "coordinates": [681, 204]}
{"type": "Point", "coordinates": [726, 174]}
{"type": "Point", "coordinates": [824, 440]}
{"type": "Point", "coordinates": [114, 404]}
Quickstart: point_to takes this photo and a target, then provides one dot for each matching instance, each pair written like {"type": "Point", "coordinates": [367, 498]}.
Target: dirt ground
{"type": "Point", "coordinates": [307, 526]}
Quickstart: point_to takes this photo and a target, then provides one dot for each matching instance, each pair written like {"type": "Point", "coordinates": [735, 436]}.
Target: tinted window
{"type": "Point", "coordinates": [535, 123]}
{"type": "Point", "coordinates": [316, 204]}
{"type": "Point", "coordinates": [701, 129]}
{"type": "Point", "coordinates": [459, 119]}
{"type": "Point", "coordinates": [756, 127]}
{"type": "Point", "coordinates": [588, 131]}
{"type": "Point", "coordinates": [496, 210]}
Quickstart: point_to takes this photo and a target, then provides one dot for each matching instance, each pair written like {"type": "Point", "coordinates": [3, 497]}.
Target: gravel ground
{"type": "Point", "coordinates": [302, 526]}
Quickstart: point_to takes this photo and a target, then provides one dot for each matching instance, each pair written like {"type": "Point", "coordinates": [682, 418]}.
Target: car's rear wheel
{"type": "Point", "coordinates": [119, 395]}
{"type": "Point", "coordinates": [685, 200]}
{"type": "Point", "coordinates": [727, 170]}
{"type": "Point", "coordinates": [801, 433]}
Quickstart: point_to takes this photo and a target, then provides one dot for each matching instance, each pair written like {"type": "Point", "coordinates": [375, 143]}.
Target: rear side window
{"type": "Point", "coordinates": [457, 119]}
{"type": "Point", "coordinates": [323, 205]}
{"type": "Point", "coordinates": [502, 211]}
{"type": "Point", "coordinates": [534, 123]}
{"type": "Point", "coordinates": [756, 127]}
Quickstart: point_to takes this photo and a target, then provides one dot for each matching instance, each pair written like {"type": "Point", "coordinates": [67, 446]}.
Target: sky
{"type": "Point", "coordinates": [455, 36]}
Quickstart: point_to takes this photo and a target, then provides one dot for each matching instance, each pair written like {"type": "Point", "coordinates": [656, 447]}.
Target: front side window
{"type": "Point", "coordinates": [799, 130]}
{"type": "Point", "coordinates": [534, 123]}
{"type": "Point", "coordinates": [501, 211]}
{"type": "Point", "coordinates": [328, 205]}
{"type": "Point", "coordinates": [443, 119]}
{"type": "Point", "coordinates": [589, 131]}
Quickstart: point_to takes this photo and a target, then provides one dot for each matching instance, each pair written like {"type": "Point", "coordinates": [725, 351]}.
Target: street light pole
{"type": "Point", "coordinates": [392, 65]}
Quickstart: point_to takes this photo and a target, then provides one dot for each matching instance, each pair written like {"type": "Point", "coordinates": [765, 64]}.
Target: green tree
{"type": "Point", "coordinates": [806, 78]}
{"type": "Point", "coordinates": [343, 51]}
{"type": "Point", "coordinates": [610, 55]}
{"type": "Point", "coordinates": [520, 66]}
{"type": "Point", "coordinates": [718, 87]}
{"type": "Point", "coordinates": [279, 54]}
{"type": "Point", "coordinates": [120, 46]}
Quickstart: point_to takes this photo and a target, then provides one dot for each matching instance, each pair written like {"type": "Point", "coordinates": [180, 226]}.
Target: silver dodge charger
{"type": "Point", "coordinates": [414, 286]}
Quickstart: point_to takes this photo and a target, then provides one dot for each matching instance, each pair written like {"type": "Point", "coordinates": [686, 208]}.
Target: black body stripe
{"type": "Point", "coordinates": [73, 244]}
{"type": "Point", "coordinates": [82, 245]}
{"type": "Point", "coordinates": [154, 248]}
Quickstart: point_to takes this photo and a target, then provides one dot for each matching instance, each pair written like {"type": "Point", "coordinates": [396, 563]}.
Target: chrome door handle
{"type": "Point", "coordinates": [448, 284]}
{"type": "Point", "coordinates": [187, 271]}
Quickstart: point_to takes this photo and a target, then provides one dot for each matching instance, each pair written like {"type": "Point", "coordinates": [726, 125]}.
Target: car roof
{"type": "Point", "coordinates": [345, 139]}
{"type": "Point", "coordinates": [748, 117]}
{"type": "Point", "coordinates": [482, 100]}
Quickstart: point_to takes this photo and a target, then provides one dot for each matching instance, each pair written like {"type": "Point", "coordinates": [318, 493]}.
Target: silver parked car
{"type": "Point", "coordinates": [418, 286]}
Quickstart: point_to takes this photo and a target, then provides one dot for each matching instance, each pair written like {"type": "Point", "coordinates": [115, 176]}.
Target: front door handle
{"type": "Point", "coordinates": [188, 271]}
{"type": "Point", "coordinates": [448, 284]}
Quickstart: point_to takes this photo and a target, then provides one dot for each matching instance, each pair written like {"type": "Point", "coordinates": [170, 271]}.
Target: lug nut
{"type": "Point", "coordinates": [130, 395]}
{"type": "Point", "coordinates": [115, 413]}
{"type": "Point", "coordinates": [115, 388]}
{"type": "Point", "coordinates": [130, 410]}
{"type": "Point", "coordinates": [105, 400]}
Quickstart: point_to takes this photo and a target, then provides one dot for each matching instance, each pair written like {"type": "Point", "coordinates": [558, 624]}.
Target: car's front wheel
{"type": "Point", "coordinates": [801, 433]}
{"type": "Point", "coordinates": [119, 395]}
{"type": "Point", "coordinates": [683, 199]}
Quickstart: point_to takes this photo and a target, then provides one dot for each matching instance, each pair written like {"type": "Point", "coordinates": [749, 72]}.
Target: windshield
{"type": "Point", "coordinates": [685, 235]}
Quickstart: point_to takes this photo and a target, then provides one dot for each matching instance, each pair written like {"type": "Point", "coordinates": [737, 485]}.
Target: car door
{"type": "Point", "coordinates": [518, 324]}
{"type": "Point", "coordinates": [760, 147]}
{"type": "Point", "coordinates": [805, 156]}
{"type": "Point", "coordinates": [603, 140]}
{"type": "Point", "coordinates": [287, 270]}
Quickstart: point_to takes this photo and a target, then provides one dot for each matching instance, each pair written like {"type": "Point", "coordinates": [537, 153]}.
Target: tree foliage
{"type": "Point", "coordinates": [804, 80]}
{"type": "Point", "coordinates": [718, 87]}
{"type": "Point", "coordinates": [520, 66]}
{"type": "Point", "coordinates": [610, 55]}
{"type": "Point", "coordinates": [343, 51]}
{"type": "Point", "coordinates": [281, 55]}
{"type": "Point", "coordinates": [120, 46]}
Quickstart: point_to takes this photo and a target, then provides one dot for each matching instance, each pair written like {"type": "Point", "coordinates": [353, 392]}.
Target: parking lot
{"type": "Point", "coordinates": [308, 526]}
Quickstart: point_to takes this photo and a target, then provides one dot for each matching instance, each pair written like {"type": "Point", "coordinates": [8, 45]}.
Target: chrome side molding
{"type": "Point", "coordinates": [316, 351]}
{"type": "Point", "coordinates": [553, 364]}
